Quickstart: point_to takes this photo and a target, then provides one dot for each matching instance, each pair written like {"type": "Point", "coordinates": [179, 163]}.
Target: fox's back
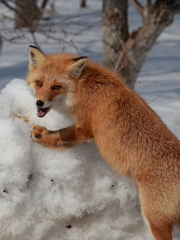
{"type": "Point", "coordinates": [126, 130]}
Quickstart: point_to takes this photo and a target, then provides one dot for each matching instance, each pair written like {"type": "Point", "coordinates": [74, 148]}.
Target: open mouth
{"type": "Point", "coordinates": [41, 112]}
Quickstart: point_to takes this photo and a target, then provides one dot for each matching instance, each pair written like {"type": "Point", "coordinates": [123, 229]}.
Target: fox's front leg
{"type": "Point", "coordinates": [60, 138]}
{"type": "Point", "coordinates": [46, 137]}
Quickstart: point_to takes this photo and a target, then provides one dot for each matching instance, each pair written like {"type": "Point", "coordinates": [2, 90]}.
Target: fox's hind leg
{"type": "Point", "coordinates": [160, 226]}
{"type": "Point", "coordinates": [161, 231]}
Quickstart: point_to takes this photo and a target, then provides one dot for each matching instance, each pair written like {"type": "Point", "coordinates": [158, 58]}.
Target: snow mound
{"type": "Point", "coordinates": [67, 194]}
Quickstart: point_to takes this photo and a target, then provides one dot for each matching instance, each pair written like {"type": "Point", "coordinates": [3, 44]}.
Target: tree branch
{"type": "Point", "coordinates": [43, 5]}
{"type": "Point", "coordinates": [13, 9]}
{"type": "Point", "coordinates": [174, 5]}
{"type": "Point", "coordinates": [147, 6]}
{"type": "Point", "coordinates": [161, 14]}
{"type": "Point", "coordinates": [138, 7]}
{"type": "Point", "coordinates": [82, 3]}
{"type": "Point", "coordinates": [9, 6]}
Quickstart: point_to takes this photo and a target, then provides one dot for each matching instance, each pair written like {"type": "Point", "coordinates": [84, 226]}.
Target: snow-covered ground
{"type": "Point", "coordinates": [73, 194]}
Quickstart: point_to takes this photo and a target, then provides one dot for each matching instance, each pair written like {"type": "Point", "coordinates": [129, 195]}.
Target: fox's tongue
{"type": "Point", "coordinates": [41, 112]}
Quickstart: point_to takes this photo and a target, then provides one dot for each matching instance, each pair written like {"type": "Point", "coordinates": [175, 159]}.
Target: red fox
{"type": "Point", "coordinates": [128, 133]}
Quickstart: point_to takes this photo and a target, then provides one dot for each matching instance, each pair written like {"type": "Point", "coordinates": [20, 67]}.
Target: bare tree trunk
{"type": "Point", "coordinates": [156, 17]}
{"type": "Point", "coordinates": [82, 3]}
{"type": "Point", "coordinates": [114, 27]}
{"type": "Point", "coordinates": [26, 12]}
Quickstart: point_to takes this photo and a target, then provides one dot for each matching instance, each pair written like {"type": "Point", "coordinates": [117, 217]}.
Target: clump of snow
{"type": "Point", "coordinates": [67, 194]}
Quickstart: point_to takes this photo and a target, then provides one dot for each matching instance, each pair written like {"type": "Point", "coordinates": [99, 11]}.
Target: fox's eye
{"type": "Point", "coordinates": [39, 83]}
{"type": "Point", "coordinates": [57, 87]}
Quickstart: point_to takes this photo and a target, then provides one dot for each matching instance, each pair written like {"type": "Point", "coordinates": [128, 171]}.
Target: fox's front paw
{"type": "Point", "coordinates": [46, 137]}
{"type": "Point", "coordinates": [37, 132]}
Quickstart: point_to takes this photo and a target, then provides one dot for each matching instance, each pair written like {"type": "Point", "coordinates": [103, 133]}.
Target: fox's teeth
{"type": "Point", "coordinates": [41, 112]}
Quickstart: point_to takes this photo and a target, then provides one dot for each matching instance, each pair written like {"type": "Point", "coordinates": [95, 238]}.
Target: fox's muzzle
{"type": "Point", "coordinates": [39, 103]}
{"type": "Point", "coordinates": [42, 108]}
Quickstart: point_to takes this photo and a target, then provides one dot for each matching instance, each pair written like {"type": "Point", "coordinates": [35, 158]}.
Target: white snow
{"type": "Point", "coordinates": [73, 194]}
{"type": "Point", "coordinates": [49, 190]}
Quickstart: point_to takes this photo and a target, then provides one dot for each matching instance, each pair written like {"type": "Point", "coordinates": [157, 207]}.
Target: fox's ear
{"type": "Point", "coordinates": [77, 66]}
{"type": "Point", "coordinates": [35, 57]}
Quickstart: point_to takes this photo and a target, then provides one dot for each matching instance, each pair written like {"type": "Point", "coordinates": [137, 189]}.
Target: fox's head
{"type": "Point", "coordinates": [53, 78]}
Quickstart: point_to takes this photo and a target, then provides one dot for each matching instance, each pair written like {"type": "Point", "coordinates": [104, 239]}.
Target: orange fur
{"type": "Point", "coordinates": [128, 133]}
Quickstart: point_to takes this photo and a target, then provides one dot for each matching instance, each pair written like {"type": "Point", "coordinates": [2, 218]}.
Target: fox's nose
{"type": "Point", "coordinates": [39, 103]}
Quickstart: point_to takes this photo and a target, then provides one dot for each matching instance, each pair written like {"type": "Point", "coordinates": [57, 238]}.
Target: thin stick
{"type": "Point", "coordinates": [35, 40]}
{"type": "Point", "coordinates": [56, 237]}
{"type": "Point", "coordinates": [75, 48]}
{"type": "Point", "coordinates": [150, 84]}
{"type": "Point", "coordinates": [6, 227]}
{"type": "Point", "coordinates": [13, 228]}
{"type": "Point", "coordinates": [143, 84]}
{"type": "Point", "coordinates": [154, 99]}
{"type": "Point", "coordinates": [13, 214]}
{"type": "Point", "coordinates": [123, 54]}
